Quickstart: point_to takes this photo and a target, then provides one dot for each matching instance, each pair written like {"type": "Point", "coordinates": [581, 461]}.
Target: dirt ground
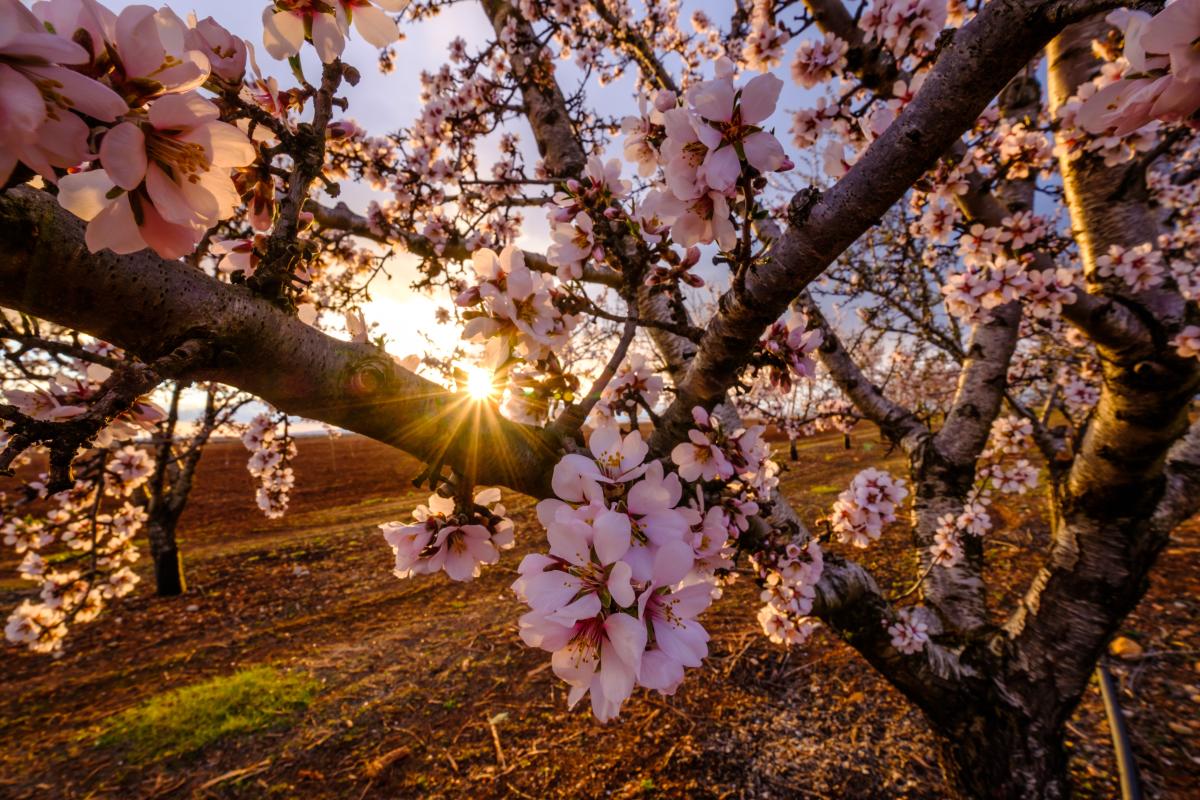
{"type": "Point", "coordinates": [412, 671]}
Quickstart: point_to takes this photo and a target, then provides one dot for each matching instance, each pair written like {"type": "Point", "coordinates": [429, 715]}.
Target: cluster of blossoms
{"type": "Point", "coordinates": [763, 49]}
{"type": "Point", "coordinates": [95, 540]}
{"type": "Point", "coordinates": [704, 148]}
{"type": "Point", "coordinates": [836, 414]}
{"type": "Point", "coordinates": [788, 576]}
{"type": "Point", "coordinates": [999, 269]}
{"type": "Point", "coordinates": [1078, 393]}
{"type": "Point", "coordinates": [1074, 142]}
{"type": "Point", "coordinates": [905, 26]}
{"type": "Point", "coordinates": [1002, 469]}
{"type": "Point", "coordinates": [910, 633]}
{"type": "Point", "coordinates": [819, 60]}
{"type": "Point", "coordinates": [713, 454]}
{"type": "Point", "coordinates": [861, 511]}
{"type": "Point", "coordinates": [1161, 80]}
{"type": "Point", "coordinates": [271, 452]}
{"type": "Point", "coordinates": [451, 535]}
{"type": "Point", "coordinates": [1187, 342]}
{"type": "Point", "coordinates": [635, 386]}
{"type": "Point", "coordinates": [513, 308]}
{"type": "Point", "coordinates": [616, 598]}
{"type": "Point", "coordinates": [1023, 151]}
{"type": "Point", "coordinates": [789, 344]}
{"type": "Point", "coordinates": [574, 215]}
{"type": "Point", "coordinates": [1139, 267]}
{"type": "Point", "coordinates": [634, 559]}
{"type": "Point", "coordinates": [77, 545]}
{"type": "Point", "coordinates": [125, 102]}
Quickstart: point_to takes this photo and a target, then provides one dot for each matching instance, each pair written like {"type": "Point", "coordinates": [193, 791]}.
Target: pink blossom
{"type": "Point", "coordinates": [37, 96]}
{"type": "Point", "coordinates": [791, 342]}
{"type": "Point", "coordinates": [679, 640]}
{"type": "Point", "coordinates": [515, 309]}
{"type": "Point", "coordinates": [602, 656]}
{"type": "Point", "coordinates": [446, 537]}
{"type": "Point", "coordinates": [288, 23]}
{"type": "Point", "coordinates": [164, 179]}
{"type": "Point", "coordinates": [909, 633]}
{"type": "Point", "coordinates": [730, 128]}
{"type": "Point", "coordinates": [861, 511]}
{"type": "Point", "coordinates": [1187, 342]}
{"type": "Point", "coordinates": [700, 458]}
{"type": "Point", "coordinates": [153, 55]}
{"type": "Point", "coordinates": [1163, 76]}
{"type": "Point", "coordinates": [817, 61]}
{"type": "Point", "coordinates": [573, 242]}
{"type": "Point", "coordinates": [1139, 267]}
{"type": "Point", "coordinates": [614, 459]}
{"type": "Point", "coordinates": [226, 53]}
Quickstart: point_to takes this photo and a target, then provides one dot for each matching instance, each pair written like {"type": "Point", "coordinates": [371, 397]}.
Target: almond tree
{"type": "Point", "coordinates": [177, 453]}
{"type": "Point", "coordinates": [180, 211]}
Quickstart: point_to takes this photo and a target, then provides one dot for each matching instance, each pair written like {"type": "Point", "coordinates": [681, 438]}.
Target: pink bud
{"type": "Point", "coordinates": [573, 185]}
{"type": "Point", "coordinates": [665, 100]}
{"type": "Point", "coordinates": [468, 297]}
{"type": "Point", "coordinates": [692, 257]}
{"type": "Point", "coordinates": [786, 165]}
{"type": "Point", "coordinates": [611, 213]}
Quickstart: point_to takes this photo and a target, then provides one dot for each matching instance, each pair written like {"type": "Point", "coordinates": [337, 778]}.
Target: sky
{"type": "Point", "coordinates": [383, 103]}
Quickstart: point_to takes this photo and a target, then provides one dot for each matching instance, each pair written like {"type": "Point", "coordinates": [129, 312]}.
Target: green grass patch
{"type": "Point", "coordinates": [822, 488]}
{"type": "Point", "coordinates": [185, 720]}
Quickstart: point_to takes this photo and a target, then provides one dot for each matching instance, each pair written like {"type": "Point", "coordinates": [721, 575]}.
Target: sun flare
{"type": "Point", "coordinates": [480, 383]}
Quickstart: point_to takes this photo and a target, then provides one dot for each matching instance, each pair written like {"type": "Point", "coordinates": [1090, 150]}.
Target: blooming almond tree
{"type": "Point", "coordinates": [998, 275]}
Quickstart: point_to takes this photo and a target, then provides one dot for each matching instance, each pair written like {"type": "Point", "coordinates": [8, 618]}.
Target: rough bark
{"type": "Point", "coordinates": [544, 101]}
{"type": "Point", "coordinates": [1104, 535]}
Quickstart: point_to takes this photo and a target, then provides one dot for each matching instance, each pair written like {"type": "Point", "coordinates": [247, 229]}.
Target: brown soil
{"type": "Point", "coordinates": [414, 670]}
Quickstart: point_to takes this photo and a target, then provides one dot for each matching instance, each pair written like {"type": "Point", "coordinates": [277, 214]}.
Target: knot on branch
{"type": "Point", "coordinates": [368, 376]}
{"type": "Point", "coordinates": [801, 206]}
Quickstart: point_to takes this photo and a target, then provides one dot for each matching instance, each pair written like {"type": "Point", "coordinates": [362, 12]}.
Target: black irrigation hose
{"type": "Point", "coordinates": [1131, 788]}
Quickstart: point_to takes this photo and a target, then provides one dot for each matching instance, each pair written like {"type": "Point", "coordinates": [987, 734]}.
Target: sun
{"type": "Point", "coordinates": [480, 383]}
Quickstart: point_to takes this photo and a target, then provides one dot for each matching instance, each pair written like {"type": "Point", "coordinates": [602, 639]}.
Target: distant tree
{"type": "Point", "coordinates": [176, 456]}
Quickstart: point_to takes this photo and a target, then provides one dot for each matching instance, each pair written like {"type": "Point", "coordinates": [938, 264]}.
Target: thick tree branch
{"type": "Point", "coordinates": [849, 601]}
{"type": "Point", "coordinates": [972, 68]}
{"type": "Point", "coordinates": [545, 105]}
{"type": "Point", "coordinates": [637, 47]}
{"type": "Point", "coordinates": [897, 422]}
{"type": "Point", "coordinates": [1181, 498]}
{"type": "Point", "coordinates": [144, 303]}
{"type": "Point", "coordinates": [1107, 519]}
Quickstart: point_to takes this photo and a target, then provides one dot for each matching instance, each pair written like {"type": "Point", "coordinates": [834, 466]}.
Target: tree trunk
{"type": "Point", "coordinates": [1005, 757]}
{"type": "Point", "coordinates": [168, 561]}
{"type": "Point", "coordinates": [792, 451]}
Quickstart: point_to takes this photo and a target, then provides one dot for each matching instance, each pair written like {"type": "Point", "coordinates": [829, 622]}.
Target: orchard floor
{"type": "Point", "coordinates": [416, 674]}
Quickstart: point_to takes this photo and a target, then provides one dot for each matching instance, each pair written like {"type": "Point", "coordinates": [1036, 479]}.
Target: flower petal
{"type": "Point", "coordinates": [84, 194]}
{"type": "Point", "coordinates": [123, 154]}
